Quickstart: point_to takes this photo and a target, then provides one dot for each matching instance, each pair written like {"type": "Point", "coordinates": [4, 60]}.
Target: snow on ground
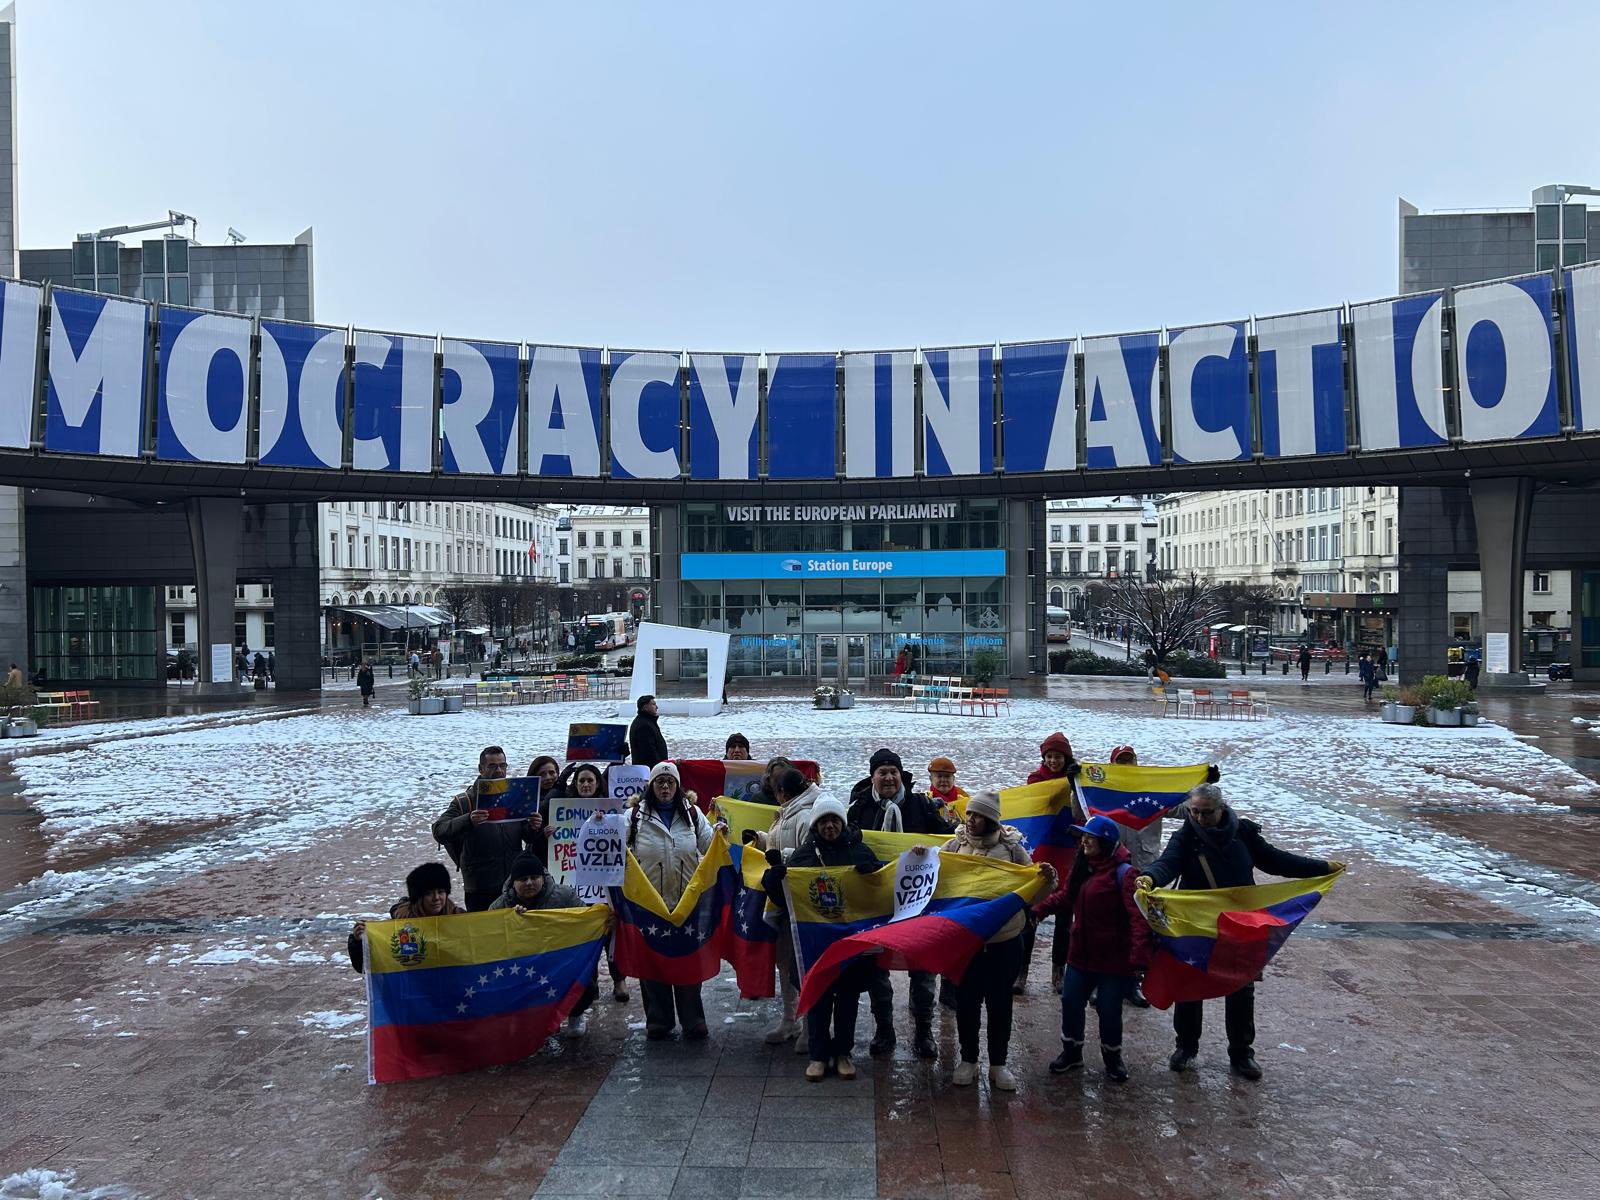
{"type": "Point", "coordinates": [39, 1184]}
{"type": "Point", "coordinates": [1333, 784]}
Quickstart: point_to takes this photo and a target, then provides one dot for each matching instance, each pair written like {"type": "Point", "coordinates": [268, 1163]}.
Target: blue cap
{"type": "Point", "coordinates": [1101, 827]}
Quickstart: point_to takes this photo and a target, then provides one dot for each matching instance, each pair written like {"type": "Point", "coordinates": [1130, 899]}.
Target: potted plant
{"type": "Point", "coordinates": [1391, 702]}
{"type": "Point", "coordinates": [1469, 713]}
{"type": "Point", "coordinates": [432, 702]}
{"type": "Point", "coordinates": [416, 688]}
{"type": "Point", "coordinates": [1443, 698]}
{"type": "Point", "coordinates": [844, 699]}
{"type": "Point", "coordinates": [1406, 705]}
{"type": "Point", "coordinates": [824, 697]}
{"type": "Point", "coordinates": [452, 701]}
{"type": "Point", "coordinates": [985, 665]}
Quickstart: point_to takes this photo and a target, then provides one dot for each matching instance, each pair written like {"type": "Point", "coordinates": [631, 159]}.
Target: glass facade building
{"type": "Point", "coordinates": [98, 634]}
{"type": "Point", "coordinates": [841, 591]}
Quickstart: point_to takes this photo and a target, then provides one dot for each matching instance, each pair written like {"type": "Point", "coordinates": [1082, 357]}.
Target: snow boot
{"type": "Point", "coordinates": [1070, 1059]}
{"type": "Point", "coordinates": [1112, 1057]}
{"type": "Point", "coordinates": [923, 1046]}
{"type": "Point", "coordinates": [883, 1039]}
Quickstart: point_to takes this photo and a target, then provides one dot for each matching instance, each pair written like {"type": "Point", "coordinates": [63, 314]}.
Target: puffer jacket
{"type": "Point", "coordinates": [1109, 934]}
{"type": "Point", "coordinates": [1233, 851]}
{"type": "Point", "coordinates": [668, 855]}
{"type": "Point", "coordinates": [400, 910]}
{"type": "Point", "coordinates": [1005, 844]}
{"type": "Point", "coordinates": [553, 895]}
{"type": "Point", "coordinates": [790, 826]}
{"type": "Point", "coordinates": [847, 851]}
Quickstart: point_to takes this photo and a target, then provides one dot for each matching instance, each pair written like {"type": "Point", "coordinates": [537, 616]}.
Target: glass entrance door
{"type": "Point", "coordinates": [828, 658]}
{"type": "Point", "coordinates": [856, 658]}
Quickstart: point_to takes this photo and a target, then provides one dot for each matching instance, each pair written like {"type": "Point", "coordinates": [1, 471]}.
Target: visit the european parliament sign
{"type": "Point", "coordinates": [87, 374]}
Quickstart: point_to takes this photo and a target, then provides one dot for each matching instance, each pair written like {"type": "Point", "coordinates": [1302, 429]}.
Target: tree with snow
{"type": "Point", "coordinates": [1165, 615]}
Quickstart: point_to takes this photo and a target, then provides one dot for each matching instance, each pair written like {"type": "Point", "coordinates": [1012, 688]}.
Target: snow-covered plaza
{"type": "Point", "coordinates": [179, 1016]}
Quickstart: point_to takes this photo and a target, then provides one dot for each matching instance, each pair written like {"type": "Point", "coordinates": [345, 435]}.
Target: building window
{"type": "Point", "coordinates": [1074, 533]}
{"type": "Point", "coordinates": [1541, 581]}
{"type": "Point", "coordinates": [1055, 533]}
{"type": "Point", "coordinates": [1388, 535]}
{"type": "Point", "coordinates": [616, 537]}
{"type": "Point", "coordinates": [562, 568]}
{"type": "Point", "coordinates": [638, 567]}
{"type": "Point", "coordinates": [583, 540]}
{"type": "Point", "coordinates": [350, 549]}
{"type": "Point", "coordinates": [1055, 562]}
{"type": "Point", "coordinates": [240, 630]}
{"type": "Point", "coordinates": [1094, 533]}
{"type": "Point", "coordinates": [269, 630]}
{"type": "Point", "coordinates": [1111, 533]}
{"type": "Point", "coordinates": [638, 537]}
{"type": "Point", "coordinates": [1074, 562]}
{"type": "Point", "coordinates": [561, 547]}
{"type": "Point", "coordinates": [583, 568]}
{"type": "Point", "coordinates": [176, 628]}
{"type": "Point", "coordinates": [1094, 562]}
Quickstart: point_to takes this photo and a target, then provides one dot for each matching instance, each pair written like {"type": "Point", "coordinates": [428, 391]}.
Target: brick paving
{"type": "Point", "coordinates": [204, 1038]}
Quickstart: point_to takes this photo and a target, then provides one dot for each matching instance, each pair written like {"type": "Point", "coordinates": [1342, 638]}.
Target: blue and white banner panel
{"type": "Point", "coordinates": [202, 400]}
{"type": "Point", "coordinates": [1399, 348]}
{"type": "Point", "coordinates": [645, 414]}
{"type": "Point", "coordinates": [392, 417]}
{"type": "Point", "coordinates": [478, 407]}
{"type": "Point", "coordinates": [844, 564]}
{"type": "Point", "coordinates": [19, 362]}
{"type": "Point", "coordinates": [1038, 393]}
{"type": "Point", "coordinates": [1505, 360]}
{"type": "Point", "coordinates": [1300, 366]}
{"type": "Point", "coordinates": [1583, 344]}
{"type": "Point", "coordinates": [1208, 385]}
{"type": "Point", "coordinates": [1122, 393]}
{"type": "Point", "coordinates": [563, 412]}
{"type": "Point", "coordinates": [958, 410]}
{"type": "Point", "coordinates": [724, 402]}
{"type": "Point", "coordinates": [94, 398]}
{"type": "Point", "coordinates": [880, 415]}
{"type": "Point", "coordinates": [802, 416]}
{"type": "Point", "coordinates": [301, 395]}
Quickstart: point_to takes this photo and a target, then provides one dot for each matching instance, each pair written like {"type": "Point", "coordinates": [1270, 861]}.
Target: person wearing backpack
{"type": "Point", "coordinates": [483, 849]}
{"type": "Point", "coordinates": [1108, 946]}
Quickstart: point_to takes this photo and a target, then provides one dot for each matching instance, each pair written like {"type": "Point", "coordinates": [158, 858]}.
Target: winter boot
{"type": "Point", "coordinates": [1112, 1057]}
{"type": "Point", "coordinates": [882, 1038]}
{"type": "Point", "coordinates": [1244, 1065]}
{"type": "Point", "coordinates": [1135, 997]}
{"type": "Point", "coordinates": [923, 1046]}
{"type": "Point", "coordinates": [1001, 1079]}
{"type": "Point", "coordinates": [1182, 1059]}
{"type": "Point", "coordinates": [844, 1067]}
{"type": "Point", "coordinates": [965, 1074]}
{"type": "Point", "coordinates": [1070, 1059]}
{"type": "Point", "coordinates": [816, 1069]}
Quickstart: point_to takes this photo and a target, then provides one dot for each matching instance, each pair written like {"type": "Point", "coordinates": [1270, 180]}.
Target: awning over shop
{"type": "Point", "coordinates": [399, 616]}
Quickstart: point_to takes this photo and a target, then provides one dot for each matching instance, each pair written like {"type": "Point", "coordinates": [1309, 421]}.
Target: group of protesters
{"type": "Point", "coordinates": [1100, 949]}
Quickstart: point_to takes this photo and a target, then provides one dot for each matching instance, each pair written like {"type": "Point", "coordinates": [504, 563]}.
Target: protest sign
{"type": "Point", "coordinates": [590, 742]}
{"type": "Point", "coordinates": [916, 877]}
{"type": "Point", "coordinates": [512, 799]}
{"type": "Point", "coordinates": [627, 783]}
{"type": "Point", "coordinates": [601, 859]}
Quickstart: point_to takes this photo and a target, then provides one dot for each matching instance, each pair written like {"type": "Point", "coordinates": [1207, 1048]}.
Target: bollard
{"type": "Point", "coordinates": [1327, 666]}
{"type": "Point", "coordinates": [1263, 666]}
{"type": "Point", "coordinates": [1286, 666]}
{"type": "Point", "coordinates": [391, 670]}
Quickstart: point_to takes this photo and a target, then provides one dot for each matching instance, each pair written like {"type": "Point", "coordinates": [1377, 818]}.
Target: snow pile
{"type": "Point", "coordinates": [39, 1184]}
{"type": "Point", "coordinates": [335, 1024]}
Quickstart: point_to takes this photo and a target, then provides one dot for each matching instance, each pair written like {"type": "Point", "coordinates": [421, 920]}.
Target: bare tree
{"type": "Point", "coordinates": [457, 600]}
{"type": "Point", "coordinates": [1166, 615]}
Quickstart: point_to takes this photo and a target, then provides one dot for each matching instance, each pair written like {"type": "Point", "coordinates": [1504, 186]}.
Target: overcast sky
{"type": "Point", "coordinates": [819, 176]}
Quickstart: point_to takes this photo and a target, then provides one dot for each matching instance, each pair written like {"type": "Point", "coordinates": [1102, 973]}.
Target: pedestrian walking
{"type": "Point", "coordinates": [1473, 667]}
{"type": "Point", "coordinates": [365, 683]}
{"type": "Point", "coordinates": [831, 1022]}
{"type": "Point", "coordinates": [1215, 848]}
{"type": "Point", "coordinates": [1108, 946]}
{"type": "Point", "coordinates": [993, 971]}
{"type": "Point", "coordinates": [437, 659]}
{"type": "Point", "coordinates": [668, 835]}
{"type": "Point", "coordinates": [646, 746]}
{"type": "Point", "coordinates": [1150, 664]}
{"type": "Point", "coordinates": [1368, 671]}
{"type": "Point", "coordinates": [414, 664]}
{"type": "Point", "coordinates": [1305, 664]}
{"type": "Point", "coordinates": [483, 849]}
{"type": "Point", "coordinates": [272, 666]}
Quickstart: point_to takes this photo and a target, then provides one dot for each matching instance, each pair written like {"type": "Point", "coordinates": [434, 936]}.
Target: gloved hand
{"type": "Point", "coordinates": [1212, 774]}
{"type": "Point", "coordinates": [775, 861]}
{"type": "Point", "coordinates": [1073, 767]}
{"type": "Point", "coordinates": [1143, 883]}
{"type": "Point", "coordinates": [748, 836]}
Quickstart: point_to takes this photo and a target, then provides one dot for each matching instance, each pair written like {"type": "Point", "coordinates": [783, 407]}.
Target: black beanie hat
{"type": "Point", "coordinates": [526, 864]}
{"type": "Point", "coordinates": [884, 758]}
{"type": "Point", "coordinates": [426, 878]}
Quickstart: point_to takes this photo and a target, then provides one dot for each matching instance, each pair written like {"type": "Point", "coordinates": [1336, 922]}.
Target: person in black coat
{"type": "Point", "coordinates": [831, 1023]}
{"type": "Point", "coordinates": [365, 682]}
{"type": "Point", "coordinates": [1216, 848]}
{"type": "Point", "coordinates": [646, 746]}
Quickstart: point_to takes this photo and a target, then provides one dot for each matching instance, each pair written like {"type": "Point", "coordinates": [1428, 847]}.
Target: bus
{"type": "Point", "coordinates": [608, 631]}
{"type": "Point", "coordinates": [1057, 624]}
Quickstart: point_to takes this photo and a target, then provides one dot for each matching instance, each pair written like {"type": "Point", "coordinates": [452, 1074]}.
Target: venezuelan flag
{"type": "Point", "coordinates": [1135, 796]}
{"type": "Point", "coordinates": [1213, 941]}
{"type": "Point", "coordinates": [752, 945]}
{"type": "Point", "coordinates": [742, 814]}
{"type": "Point", "coordinates": [708, 777]}
{"type": "Point", "coordinates": [840, 913]}
{"type": "Point", "coordinates": [457, 993]}
{"type": "Point", "coordinates": [683, 945]}
{"type": "Point", "coordinates": [1042, 813]}
{"type": "Point", "coordinates": [588, 741]}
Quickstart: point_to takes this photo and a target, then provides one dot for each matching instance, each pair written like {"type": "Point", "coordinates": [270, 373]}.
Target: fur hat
{"type": "Point", "coordinates": [426, 878]}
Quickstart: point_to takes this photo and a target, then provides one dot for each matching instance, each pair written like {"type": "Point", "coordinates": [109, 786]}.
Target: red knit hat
{"type": "Point", "coordinates": [1056, 741]}
{"type": "Point", "coordinates": [1121, 753]}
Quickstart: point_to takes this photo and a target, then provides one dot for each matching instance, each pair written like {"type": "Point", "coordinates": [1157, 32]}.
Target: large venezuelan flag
{"type": "Point", "coordinates": [840, 914]}
{"type": "Point", "coordinates": [457, 993]}
{"type": "Point", "coordinates": [1210, 942]}
{"type": "Point", "coordinates": [708, 777]}
{"type": "Point", "coordinates": [752, 945]}
{"type": "Point", "coordinates": [742, 814]}
{"type": "Point", "coordinates": [684, 944]}
{"type": "Point", "coordinates": [1042, 813]}
{"type": "Point", "coordinates": [1135, 796]}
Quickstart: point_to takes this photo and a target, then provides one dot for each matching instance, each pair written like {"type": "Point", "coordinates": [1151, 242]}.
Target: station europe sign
{"type": "Point", "coordinates": [90, 374]}
{"type": "Point", "coordinates": [843, 564]}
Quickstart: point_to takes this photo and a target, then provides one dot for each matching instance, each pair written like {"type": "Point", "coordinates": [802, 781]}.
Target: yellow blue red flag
{"type": "Point", "coordinates": [1136, 796]}
{"type": "Point", "coordinates": [744, 814]}
{"type": "Point", "coordinates": [752, 945]}
{"type": "Point", "coordinates": [684, 944]}
{"type": "Point", "coordinates": [475, 990]}
{"type": "Point", "coordinates": [1212, 941]}
{"type": "Point", "coordinates": [1043, 814]}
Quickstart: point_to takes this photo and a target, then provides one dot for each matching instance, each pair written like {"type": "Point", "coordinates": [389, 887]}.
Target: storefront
{"type": "Point", "coordinates": [855, 591]}
{"type": "Point", "coordinates": [1360, 622]}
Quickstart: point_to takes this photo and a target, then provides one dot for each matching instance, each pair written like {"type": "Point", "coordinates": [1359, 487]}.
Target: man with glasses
{"type": "Point", "coordinates": [483, 849]}
{"type": "Point", "coordinates": [1215, 848]}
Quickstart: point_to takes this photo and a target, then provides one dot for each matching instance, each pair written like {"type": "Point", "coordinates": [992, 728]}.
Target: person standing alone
{"type": "Point", "coordinates": [646, 746]}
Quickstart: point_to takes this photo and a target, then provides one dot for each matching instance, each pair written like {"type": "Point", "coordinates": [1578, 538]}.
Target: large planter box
{"type": "Point", "coordinates": [1405, 714]}
{"type": "Point", "coordinates": [452, 704]}
{"type": "Point", "coordinates": [1444, 717]}
{"type": "Point", "coordinates": [1388, 711]}
{"type": "Point", "coordinates": [432, 705]}
{"type": "Point", "coordinates": [1469, 718]}
{"type": "Point", "coordinates": [414, 707]}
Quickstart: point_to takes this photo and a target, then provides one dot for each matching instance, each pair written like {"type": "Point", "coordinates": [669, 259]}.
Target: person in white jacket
{"type": "Point", "coordinates": [668, 836]}
{"type": "Point", "coordinates": [789, 828]}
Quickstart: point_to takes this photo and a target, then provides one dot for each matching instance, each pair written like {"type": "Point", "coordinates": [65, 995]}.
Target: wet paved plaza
{"type": "Point", "coordinates": [177, 1017]}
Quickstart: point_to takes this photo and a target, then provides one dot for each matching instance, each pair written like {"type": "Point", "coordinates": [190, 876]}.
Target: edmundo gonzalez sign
{"type": "Point", "coordinates": [111, 377]}
{"type": "Point", "coordinates": [843, 564]}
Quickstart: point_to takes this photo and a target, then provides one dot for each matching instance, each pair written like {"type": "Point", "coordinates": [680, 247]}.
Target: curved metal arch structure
{"type": "Point", "coordinates": [151, 402]}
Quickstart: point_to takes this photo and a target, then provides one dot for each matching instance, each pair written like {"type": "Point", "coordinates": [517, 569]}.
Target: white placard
{"type": "Point", "coordinates": [1497, 653]}
{"type": "Point", "coordinates": [567, 817]}
{"type": "Point", "coordinates": [627, 781]}
{"type": "Point", "coordinates": [602, 859]}
{"type": "Point", "coordinates": [221, 663]}
{"type": "Point", "coordinates": [916, 875]}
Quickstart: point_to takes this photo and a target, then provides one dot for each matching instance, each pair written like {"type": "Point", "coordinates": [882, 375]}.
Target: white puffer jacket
{"type": "Point", "coordinates": [668, 856]}
{"type": "Point", "coordinates": [790, 826]}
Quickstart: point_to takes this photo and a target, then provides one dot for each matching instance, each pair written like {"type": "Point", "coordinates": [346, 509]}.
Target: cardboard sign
{"type": "Point", "coordinates": [916, 875]}
{"type": "Point", "coordinates": [590, 742]}
{"type": "Point", "coordinates": [602, 858]}
{"type": "Point", "coordinates": [627, 782]}
{"type": "Point", "coordinates": [567, 817]}
{"type": "Point", "coordinates": [513, 799]}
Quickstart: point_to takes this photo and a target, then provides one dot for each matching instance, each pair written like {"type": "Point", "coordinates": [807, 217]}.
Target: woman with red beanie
{"type": "Point", "coordinates": [1055, 759]}
{"type": "Point", "coordinates": [1055, 762]}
